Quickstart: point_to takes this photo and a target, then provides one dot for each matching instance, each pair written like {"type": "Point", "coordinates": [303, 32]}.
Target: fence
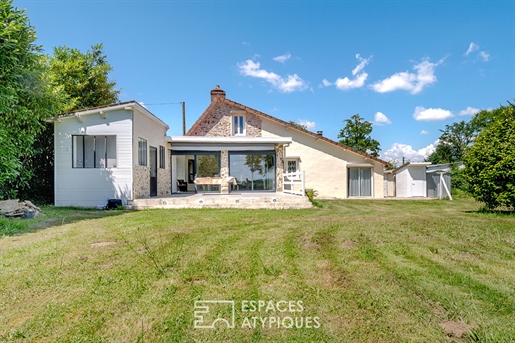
{"type": "Point", "coordinates": [293, 183]}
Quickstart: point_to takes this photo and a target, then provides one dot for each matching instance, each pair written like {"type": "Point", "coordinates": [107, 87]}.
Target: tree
{"type": "Point", "coordinates": [25, 98]}
{"type": "Point", "coordinates": [453, 142]}
{"type": "Point", "coordinates": [356, 134]}
{"type": "Point", "coordinates": [490, 162]}
{"type": "Point", "coordinates": [83, 78]}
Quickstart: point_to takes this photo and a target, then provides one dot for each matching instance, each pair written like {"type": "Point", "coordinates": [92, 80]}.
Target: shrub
{"type": "Point", "coordinates": [490, 163]}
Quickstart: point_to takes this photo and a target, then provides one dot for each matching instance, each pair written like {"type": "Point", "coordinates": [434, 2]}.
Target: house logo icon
{"type": "Point", "coordinates": [209, 314]}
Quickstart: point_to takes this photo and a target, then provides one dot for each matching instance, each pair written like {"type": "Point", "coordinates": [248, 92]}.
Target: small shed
{"type": "Point", "coordinates": [438, 181]}
{"type": "Point", "coordinates": [410, 180]}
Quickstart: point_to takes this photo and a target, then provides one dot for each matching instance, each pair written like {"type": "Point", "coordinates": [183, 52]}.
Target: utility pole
{"type": "Point", "coordinates": [183, 118]}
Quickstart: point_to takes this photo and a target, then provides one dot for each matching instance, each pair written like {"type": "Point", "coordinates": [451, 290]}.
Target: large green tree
{"type": "Point", "coordinates": [356, 134]}
{"type": "Point", "coordinates": [25, 98]}
{"type": "Point", "coordinates": [83, 78]}
{"type": "Point", "coordinates": [490, 161]}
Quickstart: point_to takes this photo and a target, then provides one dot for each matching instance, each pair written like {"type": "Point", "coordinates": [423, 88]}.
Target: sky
{"type": "Point", "coordinates": [409, 67]}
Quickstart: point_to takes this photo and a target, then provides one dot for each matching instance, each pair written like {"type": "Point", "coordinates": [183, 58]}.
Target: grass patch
{"type": "Point", "coordinates": [388, 271]}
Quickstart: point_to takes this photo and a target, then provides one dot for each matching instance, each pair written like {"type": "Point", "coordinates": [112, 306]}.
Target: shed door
{"type": "Point", "coordinates": [418, 185]}
{"type": "Point", "coordinates": [153, 171]}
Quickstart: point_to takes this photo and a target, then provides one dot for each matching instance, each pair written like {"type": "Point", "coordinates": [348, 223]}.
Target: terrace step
{"type": "Point", "coordinates": [272, 201]}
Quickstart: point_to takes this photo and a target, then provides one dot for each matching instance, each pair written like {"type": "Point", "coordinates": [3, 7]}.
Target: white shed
{"type": "Point", "coordinates": [115, 151]}
{"type": "Point", "coordinates": [410, 180]}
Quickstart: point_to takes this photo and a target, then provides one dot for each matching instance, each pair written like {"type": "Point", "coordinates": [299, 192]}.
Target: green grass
{"type": "Point", "coordinates": [371, 271]}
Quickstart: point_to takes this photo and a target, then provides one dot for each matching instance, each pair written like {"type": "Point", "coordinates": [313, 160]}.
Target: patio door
{"type": "Point", "coordinates": [153, 171]}
{"type": "Point", "coordinates": [360, 182]}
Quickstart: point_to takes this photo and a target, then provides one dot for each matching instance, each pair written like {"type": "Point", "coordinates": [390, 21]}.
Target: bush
{"type": "Point", "coordinates": [490, 163]}
{"type": "Point", "coordinates": [312, 194]}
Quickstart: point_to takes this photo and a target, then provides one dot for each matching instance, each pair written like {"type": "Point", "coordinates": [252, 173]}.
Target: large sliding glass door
{"type": "Point", "coordinates": [360, 182]}
{"type": "Point", "coordinates": [254, 171]}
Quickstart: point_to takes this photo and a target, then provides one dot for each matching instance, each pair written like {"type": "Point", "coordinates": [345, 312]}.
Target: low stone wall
{"type": "Point", "coordinates": [141, 181]}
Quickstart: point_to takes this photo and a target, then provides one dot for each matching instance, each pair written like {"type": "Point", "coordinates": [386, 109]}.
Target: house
{"type": "Point", "coordinates": [116, 151]}
{"type": "Point", "coordinates": [231, 139]}
{"type": "Point", "coordinates": [122, 151]}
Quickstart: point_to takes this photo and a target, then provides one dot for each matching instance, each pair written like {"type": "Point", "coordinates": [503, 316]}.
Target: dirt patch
{"type": "Point", "coordinates": [104, 266]}
{"type": "Point", "coordinates": [348, 244]}
{"type": "Point", "coordinates": [311, 245]}
{"type": "Point", "coordinates": [455, 329]}
{"type": "Point", "coordinates": [102, 244]}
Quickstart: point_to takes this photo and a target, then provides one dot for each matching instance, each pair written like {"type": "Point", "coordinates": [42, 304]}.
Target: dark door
{"type": "Point", "coordinates": [153, 171]}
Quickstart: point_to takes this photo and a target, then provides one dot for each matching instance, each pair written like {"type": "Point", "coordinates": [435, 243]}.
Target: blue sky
{"type": "Point", "coordinates": [411, 67]}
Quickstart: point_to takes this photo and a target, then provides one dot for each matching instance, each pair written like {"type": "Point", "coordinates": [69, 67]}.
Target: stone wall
{"type": "Point", "coordinates": [279, 166]}
{"type": "Point", "coordinates": [141, 181]}
{"type": "Point", "coordinates": [253, 127]}
{"type": "Point", "coordinates": [218, 123]}
{"type": "Point", "coordinates": [163, 181]}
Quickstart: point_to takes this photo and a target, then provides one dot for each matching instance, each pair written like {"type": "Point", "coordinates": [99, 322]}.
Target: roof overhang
{"type": "Point", "coordinates": [103, 112]}
{"type": "Point", "coordinates": [203, 143]}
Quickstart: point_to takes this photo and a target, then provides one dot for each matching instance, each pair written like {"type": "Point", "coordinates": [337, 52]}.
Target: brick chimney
{"type": "Point", "coordinates": [217, 94]}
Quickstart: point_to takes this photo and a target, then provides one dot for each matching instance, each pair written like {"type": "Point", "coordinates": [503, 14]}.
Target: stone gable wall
{"type": "Point", "coordinates": [218, 123]}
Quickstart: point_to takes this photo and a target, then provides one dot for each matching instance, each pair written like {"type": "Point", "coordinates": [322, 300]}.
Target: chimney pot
{"type": "Point", "coordinates": [320, 133]}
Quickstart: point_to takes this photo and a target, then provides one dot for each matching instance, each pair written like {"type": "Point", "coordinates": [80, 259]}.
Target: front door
{"type": "Point", "coordinates": [153, 171]}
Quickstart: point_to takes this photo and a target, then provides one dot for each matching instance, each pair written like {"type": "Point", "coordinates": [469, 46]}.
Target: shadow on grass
{"type": "Point", "coordinates": [51, 216]}
{"type": "Point", "coordinates": [498, 212]}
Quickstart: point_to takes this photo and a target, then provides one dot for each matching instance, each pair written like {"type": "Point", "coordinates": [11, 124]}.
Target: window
{"type": "Point", "coordinates": [162, 157]}
{"type": "Point", "coordinates": [292, 166]}
{"type": "Point", "coordinates": [142, 152]}
{"type": "Point", "coordinates": [253, 170]}
{"type": "Point", "coordinates": [238, 125]}
{"type": "Point", "coordinates": [94, 151]}
{"type": "Point", "coordinates": [360, 182]}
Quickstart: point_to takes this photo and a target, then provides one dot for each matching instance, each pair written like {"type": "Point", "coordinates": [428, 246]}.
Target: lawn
{"type": "Point", "coordinates": [351, 271]}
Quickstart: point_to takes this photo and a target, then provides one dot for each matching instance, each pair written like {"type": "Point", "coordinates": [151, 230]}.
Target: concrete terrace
{"type": "Point", "coordinates": [244, 200]}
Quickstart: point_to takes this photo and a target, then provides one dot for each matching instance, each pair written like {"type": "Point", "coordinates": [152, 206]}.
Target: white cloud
{"type": "Point", "coordinates": [472, 47]}
{"type": "Point", "coordinates": [289, 84]}
{"type": "Point", "coordinates": [414, 83]}
{"type": "Point", "coordinates": [326, 83]}
{"type": "Point", "coordinates": [245, 43]}
{"type": "Point", "coordinates": [346, 84]}
{"type": "Point", "coordinates": [283, 58]}
{"type": "Point", "coordinates": [381, 119]}
{"type": "Point", "coordinates": [431, 114]}
{"type": "Point", "coordinates": [308, 124]}
{"type": "Point", "coordinates": [469, 111]}
{"type": "Point", "coordinates": [359, 76]}
{"type": "Point", "coordinates": [484, 55]}
{"type": "Point", "coordinates": [424, 132]}
{"type": "Point", "coordinates": [399, 150]}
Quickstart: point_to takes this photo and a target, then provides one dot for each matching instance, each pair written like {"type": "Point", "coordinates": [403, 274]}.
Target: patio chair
{"type": "Point", "coordinates": [182, 186]}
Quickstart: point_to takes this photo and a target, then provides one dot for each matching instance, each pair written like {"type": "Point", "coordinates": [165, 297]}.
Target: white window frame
{"type": "Point", "coordinates": [142, 152]}
{"type": "Point", "coordinates": [99, 152]}
{"type": "Point", "coordinates": [239, 129]}
{"type": "Point", "coordinates": [297, 163]}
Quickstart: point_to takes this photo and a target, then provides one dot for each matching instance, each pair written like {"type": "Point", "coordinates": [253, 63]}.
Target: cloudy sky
{"type": "Point", "coordinates": [410, 67]}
